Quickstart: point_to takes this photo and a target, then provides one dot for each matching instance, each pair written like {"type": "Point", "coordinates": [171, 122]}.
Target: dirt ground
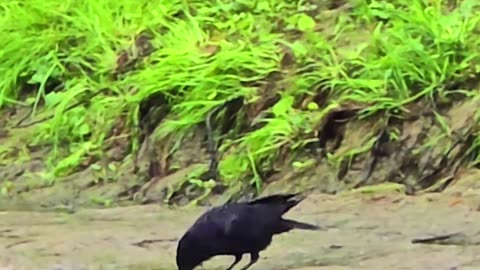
{"type": "Point", "coordinates": [364, 230]}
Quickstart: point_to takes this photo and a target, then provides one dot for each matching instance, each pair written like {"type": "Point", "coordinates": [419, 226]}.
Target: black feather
{"type": "Point", "coordinates": [237, 229]}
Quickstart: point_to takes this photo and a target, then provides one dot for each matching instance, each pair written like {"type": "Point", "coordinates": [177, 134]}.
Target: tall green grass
{"type": "Point", "coordinates": [382, 56]}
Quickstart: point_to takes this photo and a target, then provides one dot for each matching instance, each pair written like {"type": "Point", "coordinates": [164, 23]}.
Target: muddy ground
{"type": "Point", "coordinates": [365, 229]}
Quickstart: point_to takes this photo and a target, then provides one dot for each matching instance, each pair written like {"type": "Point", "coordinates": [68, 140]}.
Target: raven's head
{"type": "Point", "coordinates": [189, 254]}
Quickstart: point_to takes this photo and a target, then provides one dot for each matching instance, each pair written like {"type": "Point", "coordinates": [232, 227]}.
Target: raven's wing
{"type": "Point", "coordinates": [247, 221]}
{"type": "Point", "coordinates": [250, 218]}
{"type": "Point", "coordinates": [220, 220]}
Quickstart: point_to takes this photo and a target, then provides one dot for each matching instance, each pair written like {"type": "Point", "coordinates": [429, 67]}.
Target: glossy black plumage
{"type": "Point", "coordinates": [237, 229]}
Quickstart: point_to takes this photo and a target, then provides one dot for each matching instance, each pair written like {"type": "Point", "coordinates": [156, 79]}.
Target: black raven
{"type": "Point", "coordinates": [237, 229]}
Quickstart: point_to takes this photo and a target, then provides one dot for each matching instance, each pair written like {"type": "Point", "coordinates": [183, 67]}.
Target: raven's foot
{"type": "Point", "coordinates": [253, 259]}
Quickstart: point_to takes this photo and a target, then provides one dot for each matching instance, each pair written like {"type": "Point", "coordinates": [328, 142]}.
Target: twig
{"type": "Point", "coordinates": [145, 242]}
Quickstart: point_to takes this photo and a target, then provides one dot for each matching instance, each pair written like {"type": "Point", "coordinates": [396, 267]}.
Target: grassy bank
{"type": "Point", "coordinates": [92, 74]}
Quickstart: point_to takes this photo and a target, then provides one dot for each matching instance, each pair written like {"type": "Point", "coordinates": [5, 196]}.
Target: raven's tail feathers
{"type": "Point", "coordinates": [288, 224]}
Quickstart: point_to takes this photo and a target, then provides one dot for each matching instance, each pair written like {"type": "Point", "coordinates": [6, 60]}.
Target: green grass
{"type": "Point", "coordinates": [380, 56]}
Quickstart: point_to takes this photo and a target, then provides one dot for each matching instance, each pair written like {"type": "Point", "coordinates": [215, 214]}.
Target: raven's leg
{"type": "Point", "coordinates": [238, 258]}
{"type": "Point", "coordinates": [253, 259]}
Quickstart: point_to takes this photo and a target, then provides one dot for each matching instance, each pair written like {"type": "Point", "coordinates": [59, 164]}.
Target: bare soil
{"type": "Point", "coordinates": [369, 228]}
